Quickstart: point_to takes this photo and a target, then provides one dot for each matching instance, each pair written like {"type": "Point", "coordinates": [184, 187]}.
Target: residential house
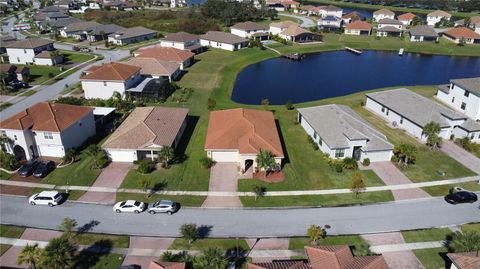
{"type": "Point", "coordinates": [182, 58]}
{"type": "Point", "coordinates": [330, 23]}
{"type": "Point", "coordinates": [48, 130]}
{"type": "Point", "coordinates": [389, 27]}
{"type": "Point", "coordinates": [406, 18]}
{"type": "Point", "coordinates": [330, 10]}
{"type": "Point", "coordinates": [383, 14]}
{"type": "Point", "coordinates": [358, 28]}
{"type": "Point", "coordinates": [122, 5]}
{"type": "Point", "coordinates": [166, 265]}
{"type": "Point", "coordinates": [276, 5]}
{"type": "Point", "coordinates": [12, 72]}
{"type": "Point", "coordinates": [58, 24]}
{"type": "Point", "coordinates": [182, 41]}
{"type": "Point", "coordinates": [340, 132]}
{"type": "Point", "coordinates": [178, 3]}
{"type": "Point", "coordinates": [436, 16]}
{"type": "Point", "coordinates": [131, 35]}
{"type": "Point", "coordinates": [297, 34]}
{"type": "Point", "coordinates": [222, 40]}
{"type": "Point", "coordinates": [475, 24]}
{"type": "Point", "coordinates": [289, 4]}
{"type": "Point", "coordinates": [462, 34]}
{"type": "Point", "coordinates": [238, 135]}
{"type": "Point", "coordinates": [326, 257]}
{"type": "Point", "coordinates": [307, 10]}
{"type": "Point", "coordinates": [152, 67]}
{"type": "Point", "coordinates": [277, 27]}
{"type": "Point", "coordinates": [102, 81]}
{"type": "Point", "coordinates": [145, 132]}
{"type": "Point", "coordinates": [352, 17]}
{"type": "Point", "coordinates": [423, 33]}
{"type": "Point", "coordinates": [249, 29]}
{"type": "Point", "coordinates": [463, 95]}
{"type": "Point", "coordinates": [32, 51]}
{"type": "Point", "coordinates": [464, 260]}
{"type": "Point", "coordinates": [90, 31]}
{"type": "Point", "coordinates": [6, 41]}
{"type": "Point", "coordinates": [410, 111]}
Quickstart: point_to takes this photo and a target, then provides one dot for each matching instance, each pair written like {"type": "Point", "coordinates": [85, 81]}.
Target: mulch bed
{"type": "Point", "coordinates": [15, 190]}
{"type": "Point", "coordinates": [272, 177]}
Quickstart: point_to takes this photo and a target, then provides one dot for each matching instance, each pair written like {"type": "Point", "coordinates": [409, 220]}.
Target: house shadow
{"type": "Point", "coordinates": [180, 155]}
{"type": "Point", "coordinates": [286, 159]}
{"type": "Point", "coordinates": [90, 256]}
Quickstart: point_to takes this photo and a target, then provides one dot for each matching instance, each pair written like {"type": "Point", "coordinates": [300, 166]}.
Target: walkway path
{"type": "Point", "coordinates": [306, 22]}
{"type": "Point", "coordinates": [138, 242]}
{"type": "Point", "coordinates": [223, 178]}
{"type": "Point", "coordinates": [462, 156]}
{"type": "Point", "coordinates": [112, 176]}
{"type": "Point", "coordinates": [391, 175]}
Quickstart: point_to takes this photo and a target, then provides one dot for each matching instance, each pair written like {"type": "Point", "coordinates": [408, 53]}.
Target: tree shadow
{"type": "Point", "coordinates": [180, 155]}
{"type": "Point", "coordinates": [159, 186]}
{"type": "Point", "coordinates": [88, 226]}
{"type": "Point", "coordinates": [204, 231]}
{"type": "Point", "coordinates": [286, 158]}
{"type": "Point", "coordinates": [90, 256]}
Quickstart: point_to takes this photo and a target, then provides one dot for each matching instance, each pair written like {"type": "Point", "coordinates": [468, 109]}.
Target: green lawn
{"type": "Point", "coordinates": [436, 234]}
{"type": "Point", "coordinates": [432, 258]}
{"type": "Point", "coordinates": [318, 200]}
{"type": "Point", "coordinates": [471, 227]}
{"type": "Point", "coordinates": [444, 189]}
{"type": "Point", "coordinates": [76, 57]}
{"type": "Point", "coordinates": [266, 22]}
{"type": "Point", "coordinates": [28, 93]}
{"type": "Point", "coordinates": [4, 248]}
{"type": "Point", "coordinates": [5, 176]}
{"type": "Point", "coordinates": [184, 200]}
{"type": "Point", "coordinates": [117, 241]}
{"type": "Point", "coordinates": [5, 105]}
{"type": "Point", "coordinates": [40, 73]}
{"type": "Point", "coordinates": [201, 244]}
{"type": "Point", "coordinates": [106, 261]}
{"type": "Point", "coordinates": [11, 231]}
{"type": "Point", "coordinates": [351, 240]}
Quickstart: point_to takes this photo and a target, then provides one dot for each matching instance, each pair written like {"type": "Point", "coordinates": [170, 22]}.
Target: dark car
{"type": "Point", "coordinates": [44, 168]}
{"type": "Point", "coordinates": [17, 84]}
{"type": "Point", "coordinates": [28, 168]}
{"type": "Point", "coordinates": [461, 197]}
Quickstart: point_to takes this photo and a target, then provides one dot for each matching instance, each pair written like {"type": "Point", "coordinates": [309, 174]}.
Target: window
{"type": "Point", "coordinates": [401, 120]}
{"type": "Point", "coordinates": [472, 136]}
{"type": "Point", "coordinates": [320, 142]}
{"type": "Point", "coordinates": [4, 133]}
{"type": "Point", "coordinates": [104, 84]}
{"type": "Point", "coordinates": [15, 137]}
{"type": "Point", "coordinates": [463, 106]}
{"type": "Point", "coordinates": [314, 135]}
{"type": "Point", "coordinates": [25, 51]}
{"type": "Point", "coordinates": [48, 135]}
{"type": "Point", "coordinates": [388, 110]}
{"type": "Point", "coordinates": [453, 99]}
{"type": "Point", "coordinates": [383, 109]}
{"type": "Point", "coordinates": [339, 153]}
{"type": "Point", "coordinates": [466, 93]}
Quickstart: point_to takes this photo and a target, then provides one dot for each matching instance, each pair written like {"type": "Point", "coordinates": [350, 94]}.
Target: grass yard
{"type": "Point", "coordinates": [318, 200]}
{"type": "Point", "coordinates": [11, 231]}
{"type": "Point", "coordinates": [435, 234]}
{"type": "Point", "coordinates": [351, 240]}
{"type": "Point", "coordinates": [40, 73]}
{"type": "Point", "coordinates": [444, 189]}
{"type": "Point", "coordinates": [100, 261]}
{"type": "Point", "coordinates": [202, 244]}
{"type": "Point", "coordinates": [471, 227]}
{"type": "Point", "coordinates": [431, 258]}
{"type": "Point", "coordinates": [76, 57]}
{"type": "Point", "coordinates": [266, 22]}
{"type": "Point", "coordinates": [5, 105]}
{"type": "Point", "coordinates": [5, 175]}
{"type": "Point", "coordinates": [4, 248]}
{"type": "Point", "coordinates": [28, 93]}
{"type": "Point", "coordinates": [184, 200]}
{"type": "Point", "coordinates": [117, 241]}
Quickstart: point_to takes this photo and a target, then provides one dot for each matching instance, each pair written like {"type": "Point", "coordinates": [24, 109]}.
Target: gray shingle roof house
{"type": "Point", "coordinates": [462, 95]}
{"type": "Point", "coordinates": [337, 128]}
{"type": "Point", "coordinates": [223, 37]}
{"type": "Point", "coordinates": [423, 33]}
{"type": "Point", "coordinates": [470, 84]}
{"type": "Point", "coordinates": [131, 35]}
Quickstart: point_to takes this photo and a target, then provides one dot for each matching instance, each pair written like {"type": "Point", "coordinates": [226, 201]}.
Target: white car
{"type": "Point", "coordinates": [50, 198]}
{"type": "Point", "coordinates": [129, 206]}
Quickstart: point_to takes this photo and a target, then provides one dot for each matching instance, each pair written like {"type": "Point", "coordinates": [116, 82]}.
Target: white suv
{"type": "Point", "coordinates": [50, 198]}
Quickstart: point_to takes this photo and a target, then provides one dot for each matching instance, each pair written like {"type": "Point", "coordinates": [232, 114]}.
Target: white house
{"type": "Point", "coordinates": [422, 33]}
{"type": "Point", "coordinates": [330, 10]}
{"type": "Point", "coordinates": [383, 14]}
{"type": "Point", "coordinates": [145, 131]}
{"type": "Point", "coordinates": [329, 22]}
{"type": "Point", "coordinates": [410, 111]}
{"type": "Point", "coordinates": [131, 35]}
{"type": "Point", "coordinates": [32, 51]}
{"type": "Point", "coordinates": [436, 16]}
{"type": "Point", "coordinates": [358, 28]}
{"type": "Point", "coordinates": [406, 18]}
{"type": "Point", "coordinates": [340, 132]}
{"type": "Point", "coordinates": [277, 27]}
{"type": "Point", "coordinates": [475, 24]}
{"type": "Point", "coordinates": [249, 29]}
{"type": "Point", "coordinates": [178, 3]}
{"type": "Point", "coordinates": [238, 135]}
{"type": "Point", "coordinates": [463, 95]}
{"type": "Point", "coordinates": [389, 27]}
{"type": "Point", "coordinates": [48, 130]}
{"type": "Point", "coordinates": [104, 80]}
{"type": "Point", "coordinates": [462, 34]}
{"type": "Point", "coordinates": [222, 40]}
{"type": "Point", "coordinates": [182, 41]}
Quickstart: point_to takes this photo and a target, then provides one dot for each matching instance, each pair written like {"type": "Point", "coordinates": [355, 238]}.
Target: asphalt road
{"type": "Point", "coordinates": [245, 222]}
{"type": "Point", "coordinates": [306, 22]}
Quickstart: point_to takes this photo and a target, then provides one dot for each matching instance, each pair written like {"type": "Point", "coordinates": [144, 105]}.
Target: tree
{"type": "Point", "coordinates": [405, 154]}
{"type": "Point", "coordinates": [31, 255]}
{"type": "Point", "coordinates": [95, 152]}
{"type": "Point", "coordinates": [431, 130]}
{"type": "Point", "coordinates": [165, 154]}
{"type": "Point", "coordinates": [417, 21]}
{"type": "Point", "coordinates": [315, 233]}
{"type": "Point", "coordinates": [145, 185]}
{"type": "Point", "coordinates": [67, 226]}
{"type": "Point", "coordinates": [265, 160]}
{"type": "Point", "coordinates": [211, 258]}
{"type": "Point", "coordinates": [259, 191]}
{"type": "Point", "coordinates": [69, 156]}
{"type": "Point", "coordinates": [265, 103]}
{"type": "Point", "coordinates": [465, 242]}
{"type": "Point", "coordinates": [189, 232]}
{"type": "Point", "coordinates": [358, 185]}
{"type": "Point", "coordinates": [58, 254]}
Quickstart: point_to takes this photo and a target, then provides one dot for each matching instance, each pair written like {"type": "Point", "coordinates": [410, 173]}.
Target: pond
{"type": "Point", "coordinates": [330, 74]}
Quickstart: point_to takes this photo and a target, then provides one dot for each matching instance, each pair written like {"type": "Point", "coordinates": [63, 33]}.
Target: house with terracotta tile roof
{"type": "Point", "coordinates": [46, 129]}
{"type": "Point", "coordinates": [166, 265]}
{"type": "Point", "coordinates": [222, 40]}
{"type": "Point", "coordinates": [238, 135]}
{"type": "Point", "coordinates": [102, 81]}
{"type": "Point", "coordinates": [406, 18]}
{"type": "Point", "coordinates": [249, 29]}
{"type": "Point", "coordinates": [145, 131]}
{"type": "Point", "coordinates": [183, 58]}
{"type": "Point", "coordinates": [182, 41]}
{"type": "Point", "coordinates": [352, 17]}
{"type": "Point", "coordinates": [436, 16]}
{"type": "Point", "coordinates": [464, 260]}
{"type": "Point", "coordinates": [131, 35]}
{"type": "Point", "coordinates": [389, 27]}
{"type": "Point", "coordinates": [326, 257]}
{"type": "Point", "coordinates": [152, 67]}
{"type": "Point", "coordinates": [462, 34]}
{"type": "Point", "coordinates": [383, 14]}
{"type": "Point", "coordinates": [358, 28]}
{"type": "Point", "coordinates": [32, 51]}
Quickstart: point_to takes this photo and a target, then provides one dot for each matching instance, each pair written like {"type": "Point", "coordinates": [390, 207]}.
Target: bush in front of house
{"type": "Point", "coordinates": [312, 142]}
{"type": "Point", "coordinates": [289, 105]}
{"type": "Point", "coordinates": [350, 163]}
{"type": "Point", "coordinates": [8, 161]}
{"type": "Point", "coordinates": [145, 166]}
{"type": "Point", "coordinates": [207, 162]}
{"type": "Point", "coordinates": [366, 162]}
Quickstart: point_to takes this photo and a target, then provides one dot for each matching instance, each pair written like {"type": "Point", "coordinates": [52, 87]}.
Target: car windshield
{"type": "Point", "coordinates": [122, 203]}
{"type": "Point", "coordinates": [56, 196]}
{"type": "Point", "coordinates": [137, 203]}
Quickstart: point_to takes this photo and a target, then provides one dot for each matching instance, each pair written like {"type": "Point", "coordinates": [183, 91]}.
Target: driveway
{"type": "Point", "coordinates": [391, 175]}
{"type": "Point", "coordinates": [306, 22]}
{"type": "Point", "coordinates": [112, 176]}
{"type": "Point", "coordinates": [138, 242]}
{"type": "Point", "coordinates": [223, 178]}
{"type": "Point", "coordinates": [462, 156]}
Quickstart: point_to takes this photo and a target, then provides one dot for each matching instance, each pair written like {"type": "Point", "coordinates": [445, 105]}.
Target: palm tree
{"type": "Point", "coordinates": [211, 258]}
{"type": "Point", "coordinates": [165, 154]}
{"type": "Point", "coordinates": [406, 154]}
{"type": "Point", "coordinates": [94, 151]}
{"type": "Point", "coordinates": [30, 255]}
{"type": "Point", "coordinates": [265, 160]}
{"type": "Point", "coordinates": [466, 242]}
{"type": "Point", "coordinates": [58, 254]}
{"type": "Point", "coordinates": [431, 130]}
{"type": "Point", "coordinates": [67, 226]}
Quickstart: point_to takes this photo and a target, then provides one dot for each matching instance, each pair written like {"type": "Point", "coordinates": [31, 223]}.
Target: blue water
{"type": "Point", "coordinates": [364, 12]}
{"type": "Point", "coordinates": [330, 74]}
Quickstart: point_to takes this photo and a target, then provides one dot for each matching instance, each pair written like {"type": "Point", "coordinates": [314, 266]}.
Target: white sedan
{"type": "Point", "coordinates": [129, 206]}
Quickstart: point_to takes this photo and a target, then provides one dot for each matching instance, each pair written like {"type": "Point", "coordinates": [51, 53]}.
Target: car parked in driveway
{"type": "Point", "coordinates": [28, 168]}
{"type": "Point", "coordinates": [461, 197]}
{"type": "Point", "coordinates": [163, 206]}
{"type": "Point", "coordinates": [44, 168]}
{"type": "Point", "coordinates": [129, 206]}
{"type": "Point", "coordinates": [50, 198]}
{"type": "Point", "coordinates": [16, 84]}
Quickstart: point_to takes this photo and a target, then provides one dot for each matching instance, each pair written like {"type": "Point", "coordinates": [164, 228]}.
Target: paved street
{"type": "Point", "coordinates": [306, 22]}
{"type": "Point", "coordinates": [403, 215]}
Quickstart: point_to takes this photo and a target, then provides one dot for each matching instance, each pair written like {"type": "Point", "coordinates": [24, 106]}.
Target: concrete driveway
{"type": "Point", "coordinates": [223, 177]}
{"type": "Point", "coordinates": [462, 156]}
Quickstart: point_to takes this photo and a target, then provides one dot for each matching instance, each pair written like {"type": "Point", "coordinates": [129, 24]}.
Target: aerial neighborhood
{"type": "Point", "coordinates": [273, 134]}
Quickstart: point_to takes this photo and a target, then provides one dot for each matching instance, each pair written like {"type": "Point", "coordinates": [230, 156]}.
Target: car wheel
{"type": "Point", "coordinates": [151, 212]}
{"type": "Point", "coordinates": [50, 204]}
{"type": "Point", "coordinates": [169, 212]}
{"type": "Point", "coordinates": [32, 203]}
{"type": "Point", "coordinates": [118, 211]}
{"type": "Point", "coordinates": [136, 211]}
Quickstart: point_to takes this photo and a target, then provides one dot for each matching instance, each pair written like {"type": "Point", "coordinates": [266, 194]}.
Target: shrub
{"type": "Point", "coordinates": [312, 142]}
{"type": "Point", "coordinates": [339, 168]}
{"type": "Point", "coordinates": [145, 166]}
{"type": "Point", "coordinates": [103, 160]}
{"type": "Point", "coordinates": [211, 104]}
{"type": "Point", "coordinates": [366, 162]}
{"type": "Point", "coordinates": [51, 75]}
{"type": "Point", "coordinates": [189, 232]}
{"type": "Point", "coordinates": [8, 161]}
{"type": "Point", "coordinates": [206, 162]}
{"type": "Point", "coordinates": [289, 105]}
{"type": "Point", "coordinates": [350, 163]}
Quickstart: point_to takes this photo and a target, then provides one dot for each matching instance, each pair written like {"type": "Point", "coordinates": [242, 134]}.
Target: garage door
{"type": "Point", "coordinates": [225, 156]}
{"type": "Point", "coordinates": [51, 151]}
{"type": "Point", "coordinates": [121, 155]}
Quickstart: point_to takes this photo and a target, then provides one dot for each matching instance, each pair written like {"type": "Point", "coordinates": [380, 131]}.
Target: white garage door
{"type": "Point", "coordinates": [51, 151]}
{"type": "Point", "coordinates": [225, 156]}
{"type": "Point", "coordinates": [121, 155]}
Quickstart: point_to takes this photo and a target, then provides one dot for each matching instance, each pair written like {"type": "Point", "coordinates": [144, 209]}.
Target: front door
{"type": "Point", "coordinates": [357, 152]}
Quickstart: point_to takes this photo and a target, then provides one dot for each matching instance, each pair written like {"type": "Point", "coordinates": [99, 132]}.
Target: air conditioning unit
{"type": "Point", "coordinates": [394, 124]}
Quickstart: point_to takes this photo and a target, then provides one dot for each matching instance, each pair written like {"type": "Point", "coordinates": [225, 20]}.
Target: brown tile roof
{"type": "Point", "coordinates": [423, 30]}
{"type": "Point", "coordinates": [359, 25]}
{"type": "Point", "coordinates": [279, 265]}
{"type": "Point", "coordinates": [7, 68]}
{"type": "Point", "coordinates": [164, 54]}
{"type": "Point", "coordinates": [295, 31]}
{"type": "Point", "coordinates": [166, 265]}
{"type": "Point", "coordinates": [353, 15]}
{"type": "Point", "coordinates": [406, 16]}
{"type": "Point", "coordinates": [340, 257]}
{"type": "Point", "coordinates": [283, 24]}
{"type": "Point", "coordinates": [153, 66]}
{"type": "Point", "coordinates": [111, 71]}
{"type": "Point", "coordinates": [223, 37]}
{"type": "Point", "coordinates": [247, 130]}
{"type": "Point", "coordinates": [248, 26]}
{"type": "Point", "coordinates": [384, 11]}
{"type": "Point", "coordinates": [462, 32]}
{"type": "Point", "coordinates": [43, 54]}
{"type": "Point", "coordinates": [46, 117]}
{"type": "Point", "coordinates": [465, 260]}
{"type": "Point", "coordinates": [146, 127]}
{"type": "Point", "coordinates": [439, 13]}
{"type": "Point", "coordinates": [475, 20]}
{"type": "Point", "coordinates": [181, 37]}
{"type": "Point", "coordinates": [29, 43]}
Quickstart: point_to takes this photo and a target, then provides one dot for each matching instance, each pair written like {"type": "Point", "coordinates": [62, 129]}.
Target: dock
{"type": "Point", "coordinates": [400, 52]}
{"type": "Point", "coordinates": [294, 56]}
{"type": "Point", "coordinates": [353, 50]}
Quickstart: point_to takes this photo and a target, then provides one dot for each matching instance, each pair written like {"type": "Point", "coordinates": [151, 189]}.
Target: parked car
{"type": "Point", "coordinates": [44, 168]}
{"type": "Point", "coordinates": [163, 206]}
{"type": "Point", "coordinates": [85, 50]}
{"type": "Point", "coordinates": [75, 48]}
{"type": "Point", "coordinates": [16, 84]}
{"type": "Point", "coordinates": [461, 197]}
{"type": "Point", "coordinates": [28, 168]}
{"type": "Point", "coordinates": [129, 206]}
{"type": "Point", "coordinates": [50, 198]}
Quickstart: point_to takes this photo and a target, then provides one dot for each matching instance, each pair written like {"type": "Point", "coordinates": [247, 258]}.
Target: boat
{"type": "Point", "coordinates": [400, 52]}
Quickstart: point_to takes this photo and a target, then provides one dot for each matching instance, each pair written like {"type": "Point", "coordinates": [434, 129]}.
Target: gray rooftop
{"type": "Point", "coordinates": [248, 26]}
{"type": "Point", "coordinates": [470, 125]}
{"type": "Point", "coordinates": [469, 84]}
{"type": "Point", "coordinates": [132, 32]}
{"type": "Point", "coordinates": [389, 21]}
{"type": "Point", "coordinates": [390, 29]}
{"type": "Point", "coordinates": [414, 107]}
{"type": "Point", "coordinates": [423, 30]}
{"type": "Point", "coordinates": [336, 124]}
{"type": "Point", "coordinates": [223, 37]}
{"type": "Point", "coordinates": [181, 37]}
